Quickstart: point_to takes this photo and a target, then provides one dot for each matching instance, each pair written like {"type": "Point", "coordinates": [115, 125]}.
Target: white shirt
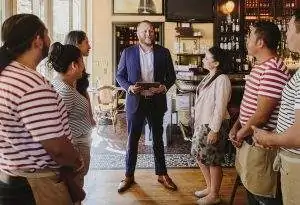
{"type": "Point", "coordinates": [147, 67]}
{"type": "Point", "coordinates": [211, 102]}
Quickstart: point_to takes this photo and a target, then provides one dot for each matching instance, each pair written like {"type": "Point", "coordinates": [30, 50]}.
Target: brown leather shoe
{"type": "Point", "coordinates": [167, 182]}
{"type": "Point", "coordinates": [125, 184]}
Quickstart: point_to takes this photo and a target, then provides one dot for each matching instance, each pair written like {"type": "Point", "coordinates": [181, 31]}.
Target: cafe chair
{"type": "Point", "coordinates": [106, 109]}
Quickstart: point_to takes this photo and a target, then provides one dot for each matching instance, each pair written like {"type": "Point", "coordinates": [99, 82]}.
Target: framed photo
{"type": "Point", "coordinates": [138, 7]}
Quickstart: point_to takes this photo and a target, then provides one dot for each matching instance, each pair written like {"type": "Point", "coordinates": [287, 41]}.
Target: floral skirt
{"type": "Point", "coordinates": [209, 154]}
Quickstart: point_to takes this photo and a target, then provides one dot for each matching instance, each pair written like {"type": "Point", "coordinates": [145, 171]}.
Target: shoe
{"type": "Point", "coordinates": [206, 201]}
{"type": "Point", "coordinates": [201, 193]}
{"type": "Point", "coordinates": [125, 184]}
{"type": "Point", "coordinates": [167, 182]}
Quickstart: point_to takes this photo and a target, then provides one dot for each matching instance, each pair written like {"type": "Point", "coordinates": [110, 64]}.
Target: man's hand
{"type": "Point", "coordinates": [212, 137]}
{"type": "Point", "coordinates": [232, 137]}
{"type": "Point", "coordinates": [135, 89]}
{"type": "Point", "coordinates": [79, 165]}
{"type": "Point", "coordinates": [242, 134]}
{"type": "Point", "coordinates": [262, 137]}
{"type": "Point", "coordinates": [160, 89]}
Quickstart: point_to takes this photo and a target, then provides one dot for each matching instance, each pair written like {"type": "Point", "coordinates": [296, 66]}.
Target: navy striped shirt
{"type": "Point", "coordinates": [77, 107]}
{"type": "Point", "coordinates": [290, 102]}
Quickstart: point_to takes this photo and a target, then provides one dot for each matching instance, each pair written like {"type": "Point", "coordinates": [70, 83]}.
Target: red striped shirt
{"type": "Point", "coordinates": [266, 79]}
{"type": "Point", "coordinates": [30, 111]}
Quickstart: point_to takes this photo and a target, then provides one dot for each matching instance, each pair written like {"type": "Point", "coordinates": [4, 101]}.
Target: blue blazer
{"type": "Point", "coordinates": [129, 72]}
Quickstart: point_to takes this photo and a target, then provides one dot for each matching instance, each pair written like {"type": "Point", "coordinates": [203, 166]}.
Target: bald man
{"type": "Point", "coordinates": [148, 63]}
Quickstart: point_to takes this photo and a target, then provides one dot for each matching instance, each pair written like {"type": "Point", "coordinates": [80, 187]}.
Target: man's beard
{"type": "Point", "coordinates": [148, 43]}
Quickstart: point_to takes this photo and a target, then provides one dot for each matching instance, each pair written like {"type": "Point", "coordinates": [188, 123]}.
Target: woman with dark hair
{"type": "Point", "coordinates": [35, 139]}
{"type": "Point", "coordinates": [67, 61]}
{"type": "Point", "coordinates": [211, 123]}
{"type": "Point", "coordinates": [81, 41]}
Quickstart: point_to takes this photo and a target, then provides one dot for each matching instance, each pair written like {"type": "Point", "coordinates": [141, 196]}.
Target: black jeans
{"type": "Point", "coordinates": [135, 123]}
{"type": "Point", "coordinates": [15, 191]}
{"type": "Point", "coordinates": [260, 200]}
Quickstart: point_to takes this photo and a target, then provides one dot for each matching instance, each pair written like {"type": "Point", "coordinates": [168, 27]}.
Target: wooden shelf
{"type": "Point", "coordinates": [190, 54]}
{"type": "Point", "coordinates": [188, 37]}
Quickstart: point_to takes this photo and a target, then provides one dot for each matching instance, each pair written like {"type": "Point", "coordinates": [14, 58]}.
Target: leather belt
{"type": "Point", "coordinates": [147, 97]}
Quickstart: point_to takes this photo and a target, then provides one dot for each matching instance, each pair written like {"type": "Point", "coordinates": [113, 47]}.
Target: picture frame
{"type": "Point", "coordinates": [138, 7]}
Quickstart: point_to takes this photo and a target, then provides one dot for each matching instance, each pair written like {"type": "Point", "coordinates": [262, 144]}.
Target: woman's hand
{"type": "Point", "coordinates": [233, 138]}
{"type": "Point", "coordinates": [212, 137]}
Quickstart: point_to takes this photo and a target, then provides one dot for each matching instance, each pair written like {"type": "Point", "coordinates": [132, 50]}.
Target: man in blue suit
{"type": "Point", "coordinates": [145, 62]}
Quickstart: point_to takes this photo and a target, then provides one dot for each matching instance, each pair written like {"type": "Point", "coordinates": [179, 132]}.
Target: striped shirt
{"type": "Point", "coordinates": [77, 107]}
{"type": "Point", "coordinates": [30, 111]}
{"type": "Point", "coordinates": [290, 102]}
{"type": "Point", "coordinates": [266, 79]}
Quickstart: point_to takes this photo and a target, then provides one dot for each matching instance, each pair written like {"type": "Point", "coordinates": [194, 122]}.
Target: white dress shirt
{"type": "Point", "coordinates": [147, 68]}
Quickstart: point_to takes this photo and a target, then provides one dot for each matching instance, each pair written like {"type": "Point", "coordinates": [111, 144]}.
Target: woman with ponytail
{"type": "Point", "coordinates": [67, 61]}
{"type": "Point", "coordinates": [35, 139]}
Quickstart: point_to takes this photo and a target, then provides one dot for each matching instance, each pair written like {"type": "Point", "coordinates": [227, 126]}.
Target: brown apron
{"type": "Point", "coordinates": [255, 168]}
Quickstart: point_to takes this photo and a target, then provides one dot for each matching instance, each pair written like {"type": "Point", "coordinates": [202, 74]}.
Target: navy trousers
{"type": "Point", "coordinates": [135, 123]}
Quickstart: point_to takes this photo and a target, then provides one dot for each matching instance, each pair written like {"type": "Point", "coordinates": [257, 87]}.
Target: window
{"type": "Point", "coordinates": [40, 9]}
{"type": "Point", "coordinates": [60, 16]}
{"type": "Point", "coordinates": [2, 14]}
{"type": "Point", "coordinates": [61, 19]}
{"type": "Point", "coordinates": [65, 15]}
{"type": "Point", "coordinates": [1, 11]}
{"type": "Point", "coordinates": [36, 7]}
{"type": "Point", "coordinates": [77, 23]}
{"type": "Point", "coordinates": [24, 6]}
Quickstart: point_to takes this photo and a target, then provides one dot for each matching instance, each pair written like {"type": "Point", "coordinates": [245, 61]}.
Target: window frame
{"type": "Point", "coordinates": [49, 12]}
{"type": "Point", "coordinates": [11, 9]}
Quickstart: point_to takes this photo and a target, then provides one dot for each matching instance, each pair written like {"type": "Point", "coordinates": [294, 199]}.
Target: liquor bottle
{"type": "Point", "coordinates": [237, 43]}
{"type": "Point", "coordinates": [232, 40]}
{"type": "Point", "coordinates": [222, 26]}
{"type": "Point", "coordinates": [233, 26]}
{"type": "Point", "coordinates": [229, 44]}
{"type": "Point", "coordinates": [238, 63]}
{"type": "Point", "coordinates": [131, 35]}
{"type": "Point", "coordinates": [237, 25]}
{"type": "Point", "coordinates": [225, 46]}
{"type": "Point", "coordinates": [221, 43]}
{"type": "Point", "coordinates": [226, 26]}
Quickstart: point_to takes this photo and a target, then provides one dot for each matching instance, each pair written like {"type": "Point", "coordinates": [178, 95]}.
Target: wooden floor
{"type": "Point", "coordinates": [101, 187]}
